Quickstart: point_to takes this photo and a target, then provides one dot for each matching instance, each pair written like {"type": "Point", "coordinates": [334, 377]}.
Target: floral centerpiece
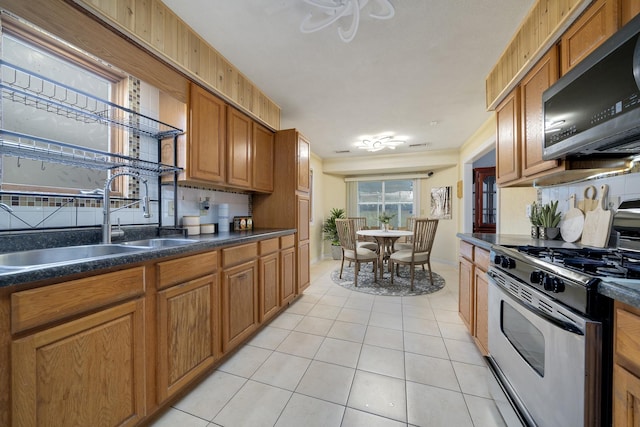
{"type": "Point", "coordinates": [384, 219]}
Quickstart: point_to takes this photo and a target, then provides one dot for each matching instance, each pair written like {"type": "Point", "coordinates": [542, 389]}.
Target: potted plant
{"type": "Point", "coordinates": [331, 232]}
{"type": "Point", "coordinates": [384, 219]}
{"type": "Point", "coordinates": [549, 220]}
{"type": "Point", "coordinates": [534, 217]}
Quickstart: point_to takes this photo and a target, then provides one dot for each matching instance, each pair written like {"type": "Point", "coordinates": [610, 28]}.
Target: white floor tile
{"type": "Point", "coordinates": [286, 321]}
{"type": "Point", "coordinates": [339, 352]}
{"type": "Point", "coordinates": [314, 325]}
{"type": "Point", "coordinates": [426, 345]}
{"type": "Point", "coordinates": [472, 379]}
{"type": "Point", "coordinates": [208, 398]}
{"type": "Point", "coordinates": [300, 307]}
{"type": "Point", "coordinates": [301, 344]}
{"type": "Point", "coordinates": [431, 371]}
{"type": "Point", "coordinates": [445, 408]}
{"type": "Point", "coordinates": [421, 326]}
{"type": "Point", "coordinates": [282, 370]}
{"type": "Point", "coordinates": [246, 361]}
{"type": "Point", "coordinates": [347, 331]}
{"type": "Point", "coordinates": [310, 412]}
{"type": "Point", "coordinates": [466, 352]}
{"type": "Point", "coordinates": [354, 315]}
{"type": "Point", "coordinates": [325, 311]}
{"type": "Point", "coordinates": [484, 412]}
{"type": "Point", "coordinates": [255, 405]}
{"type": "Point", "coordinates": [327, 381]}
{"type": "Point", "coordinates": [383, 361]}
{"type": "Point", "coordinates": [386, 320]}
{"type": "Point", "coordinates": [174, 417]}
{"type": "Point", "coordinates": [355, 418]}
{"type": "Point", "coordinates": [383, 337]}
{"type": "Point", "coordinates": [269, 337]}
{"type": "Point", "coordinates": [379, 394]}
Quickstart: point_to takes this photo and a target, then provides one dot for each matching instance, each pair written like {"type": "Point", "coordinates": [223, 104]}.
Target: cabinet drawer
{"type": "Point", "coordinates": [36, 307]}
{"type": "Point", "coordinates": [182, 270]}
{"type": "Point", "coordinates": [287, 241]}
{"type": "Point", "coordinates": [627, 339]}
{"type": "Point", "coordinates": [268, 246]}
{"type": "Point", "coordinates": [238, 254]}
{"type": "Point", "coordinates": [466, 250]}
{"type": "Point", "coordinates": [481, 258]}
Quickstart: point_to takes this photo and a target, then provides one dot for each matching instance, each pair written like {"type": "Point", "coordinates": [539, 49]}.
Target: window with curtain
{"type": "Point", "coordinates": [370, 198]}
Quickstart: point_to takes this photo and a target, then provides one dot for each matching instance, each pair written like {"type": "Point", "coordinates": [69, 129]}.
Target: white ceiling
{"type": "Point", "coordinates": [420, 75]}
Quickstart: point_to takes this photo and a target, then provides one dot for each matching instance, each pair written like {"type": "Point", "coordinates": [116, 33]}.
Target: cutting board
{"type": "Point", "coordinates": [589, 203]}
{"type": "Point", "coordinates": [572, 223]}
{"type": "Point", "coordinates": [597, 223]}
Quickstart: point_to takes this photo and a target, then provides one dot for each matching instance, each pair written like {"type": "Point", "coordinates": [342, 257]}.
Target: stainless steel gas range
{"type": "Point", "coordinates": [550, 332]}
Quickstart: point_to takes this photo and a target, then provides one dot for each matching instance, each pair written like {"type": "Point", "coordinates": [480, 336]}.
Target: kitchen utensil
{"type": "Point", "coordinates": [572, 223]}
{"type": "Point", "coordinates": [597, 223]}
{"type": "Point", "coordinates": [589, 203]}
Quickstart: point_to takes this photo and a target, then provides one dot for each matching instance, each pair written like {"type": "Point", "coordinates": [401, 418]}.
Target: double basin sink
{"type": "Point", "coordinates": [16, 261]}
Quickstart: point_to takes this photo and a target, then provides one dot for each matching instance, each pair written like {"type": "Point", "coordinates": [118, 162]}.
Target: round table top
{"type": "Point", "coordinates": [381, 233]}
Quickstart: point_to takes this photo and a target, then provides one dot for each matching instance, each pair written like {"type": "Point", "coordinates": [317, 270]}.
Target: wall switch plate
{"type": "Point", "coordinates": [528, 211]}
{"type": "Point", "coordinates": [171, 208]}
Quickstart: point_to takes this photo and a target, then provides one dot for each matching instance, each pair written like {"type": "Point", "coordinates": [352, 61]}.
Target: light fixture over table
{"type": "Point", "coordinates": [336, 9]}
{"type": "Point", "coordinates": [379, 143]}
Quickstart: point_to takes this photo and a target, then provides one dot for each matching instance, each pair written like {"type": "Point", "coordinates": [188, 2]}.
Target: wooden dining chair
{"type": "Point", "coordinates": [424, 233]}
{"type": "Point", "coordinates": [407, 244]}
{"type": "Point", "coordinates": [360, 223]}
{"type": "Point", "coordinates": [351, 252]}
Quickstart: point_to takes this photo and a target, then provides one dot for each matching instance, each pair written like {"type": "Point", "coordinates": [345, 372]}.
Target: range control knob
{"type": "Point", "coordinates": [536, 277]}
{"type": "Point", "coordinates": [508, 263]}
{"type": "Point", "coordinates": [553, 284]}
{"type": "Point", "coordinates": [497, 260]}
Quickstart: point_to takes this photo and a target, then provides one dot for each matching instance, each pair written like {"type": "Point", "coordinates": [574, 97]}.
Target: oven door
{"type": "Point", "coordinates": [546, 357]}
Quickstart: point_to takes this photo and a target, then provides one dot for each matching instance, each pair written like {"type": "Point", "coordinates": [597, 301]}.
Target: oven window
{"type": "Point", "coordinates": [524, 337]}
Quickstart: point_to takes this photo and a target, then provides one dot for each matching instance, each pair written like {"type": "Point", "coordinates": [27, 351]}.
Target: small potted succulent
{"type": "Point", "coordinates": [534, 217]}
{"type": "Point", "coordinates": [385, 219]}
{"type": "Point", "coordinates": [549, 220]}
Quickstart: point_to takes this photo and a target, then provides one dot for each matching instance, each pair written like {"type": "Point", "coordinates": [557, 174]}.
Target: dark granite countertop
{"type": "Point", "coordinates": [624, 290]}
{"type": "Point", "coordinates": [202, 242]}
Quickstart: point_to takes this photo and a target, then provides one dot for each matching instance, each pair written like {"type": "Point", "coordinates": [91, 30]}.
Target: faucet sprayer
{"type": "Point", "coordinates": [106, 210]}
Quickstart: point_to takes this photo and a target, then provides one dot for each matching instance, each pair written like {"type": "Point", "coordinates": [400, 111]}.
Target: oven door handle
{"type": "Point", "coordinates": [569, 327]}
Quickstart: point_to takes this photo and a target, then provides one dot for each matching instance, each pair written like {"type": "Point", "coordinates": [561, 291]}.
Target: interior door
{"type": "Point", "coordinates": [486, 200]}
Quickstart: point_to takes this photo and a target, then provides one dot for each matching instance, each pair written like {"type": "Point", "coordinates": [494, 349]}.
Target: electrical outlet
{"type": "Point", "coordinates": [171, 208]}
{"type": "Point", "coordinates": [614, 202]}
{"type": "Point", "coordinates": [528, 211]}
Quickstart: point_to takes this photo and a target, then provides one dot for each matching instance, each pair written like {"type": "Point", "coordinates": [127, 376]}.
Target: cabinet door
{"type": "Point", "coordinates": [481, 308]}
{"type": "Point", "coordinates": [87, 372]}
{"type": "Point", "coordinates": [303, 217]}
{"type": "Point", "coordinates": [263, 158]}
{"type": "Point", "coordinates": [626, 397]}
{"type": "Point", "coordinates": [187, 333]}
{"type": "Point", "coordinates": [534, 83]}
{"type": "Point", "coordinates": [207, 136]}
{"type": "Point", "coordinates": [304, 276]}
{"type": "Point", "coordinates": [628, 10]}
{"type": "Point", "coordinates": [239, 304]}
{"type": "Point", "coordinates": [508, 138]}
{"type": "Point", "coordinates": [239, 129]}
{"type": "Point", "coordinates": [303, 164]}
{"type": "Point", "coordinates": [269, 289]}
{"type": "Point", "coordinates": [287, 275]}
{"type": "Point", "coordinates": [465, 294]}
{"type": "Point", "coordinates": [588, 32]}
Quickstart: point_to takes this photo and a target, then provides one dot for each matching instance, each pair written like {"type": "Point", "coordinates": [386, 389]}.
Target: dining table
{"type": "Point", "coordinates": [385, 240]}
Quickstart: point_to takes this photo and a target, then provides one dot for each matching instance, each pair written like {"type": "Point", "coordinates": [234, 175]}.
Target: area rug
{"type": "Point", "coordinates": [401, 285]}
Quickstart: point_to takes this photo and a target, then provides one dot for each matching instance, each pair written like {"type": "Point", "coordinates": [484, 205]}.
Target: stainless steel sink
{"type": "Point", "coordinates": [160, 242]}
{"type": "Point", "coordinates": [38, 257]}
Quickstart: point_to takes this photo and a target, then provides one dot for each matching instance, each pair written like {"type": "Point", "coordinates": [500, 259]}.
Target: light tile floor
{"type": "Point", "coordinates": [342, 358]}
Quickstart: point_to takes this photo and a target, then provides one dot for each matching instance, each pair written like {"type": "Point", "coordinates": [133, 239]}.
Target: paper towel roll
{"type": "Point", "coordinates": [223, 217]}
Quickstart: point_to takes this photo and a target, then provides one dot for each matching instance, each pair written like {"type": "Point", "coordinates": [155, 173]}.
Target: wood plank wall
{"type": "Point", "coordinates": [540, 28]}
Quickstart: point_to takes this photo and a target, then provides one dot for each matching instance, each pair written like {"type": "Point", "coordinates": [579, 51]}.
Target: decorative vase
{"type": "Point", "coordinates": [535, 232]}
{"type": "Point", "coordinates": [385, 226]}
{"type": "Point", "coordinates": [549, 233]}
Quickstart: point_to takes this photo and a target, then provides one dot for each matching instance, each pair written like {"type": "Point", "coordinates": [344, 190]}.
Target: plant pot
{"type": "Point", "coordinates": [549, 233]}
{"type": "Point", "coordinates": [336, 252]}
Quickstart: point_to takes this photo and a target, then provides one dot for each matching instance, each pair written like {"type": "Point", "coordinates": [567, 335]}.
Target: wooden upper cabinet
{"type": "Point", "coordinates": [508, 138]}
{"type": "Point", "coordinates": [239, 151]}
{"type": "Point", "coordinates": [588, 32]}
{"type": "Point", "coordinates": [303, 164]}
{"type": "Point", "coordinates": [543, 75]}
{"type": "Point", "coordinates": [263, 158]}
{"type": "Point", "coordinates": [206, 133]}
{"type": "Point", "coordinates": [628, 10]}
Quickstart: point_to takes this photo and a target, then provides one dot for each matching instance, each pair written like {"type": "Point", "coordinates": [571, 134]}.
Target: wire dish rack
{"type": "Point", "coordinates": [34, 90]}
{"type": "Point", "coordinates": [35, 148]}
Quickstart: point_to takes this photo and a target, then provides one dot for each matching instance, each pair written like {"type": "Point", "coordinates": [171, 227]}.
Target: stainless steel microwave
{"type": "Point", "coordinates": [595, 107]}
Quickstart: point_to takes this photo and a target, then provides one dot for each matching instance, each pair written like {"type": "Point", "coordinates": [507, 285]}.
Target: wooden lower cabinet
{"type": "Point", "coordinates": [481, 310]}
{"type": "Point", "coordinates": [188, 333]}
{"type": "Point", "coordinates": [465, 301]}
{"type": "Point", "coordinates": [304, 268]}
{"type": "Point", "coordinates": [269, 286]}
{"type": "Point", "coordinates": [239, 304]}
{"type": "Point", "coordinates": [287, 275]}
{"type": "Point", "coordinates": [85, 372]}
{"type": "Point", "coordinates": [626, 365]}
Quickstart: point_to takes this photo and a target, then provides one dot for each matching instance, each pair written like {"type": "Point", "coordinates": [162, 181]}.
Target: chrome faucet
{"type": "Point", "coordinates": [106, 223]}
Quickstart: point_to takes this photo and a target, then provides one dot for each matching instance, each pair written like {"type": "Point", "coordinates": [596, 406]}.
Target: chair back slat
{"type": "Point", "coordinates": [346, 234]}
{"type": "Point", "coordinates": [424, 233]}
{"type": "Point", "coordinates": [359, 223]}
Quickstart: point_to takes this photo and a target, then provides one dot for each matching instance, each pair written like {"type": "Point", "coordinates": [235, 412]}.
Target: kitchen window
{"type": "Point", "coordinates": [395, 197]}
